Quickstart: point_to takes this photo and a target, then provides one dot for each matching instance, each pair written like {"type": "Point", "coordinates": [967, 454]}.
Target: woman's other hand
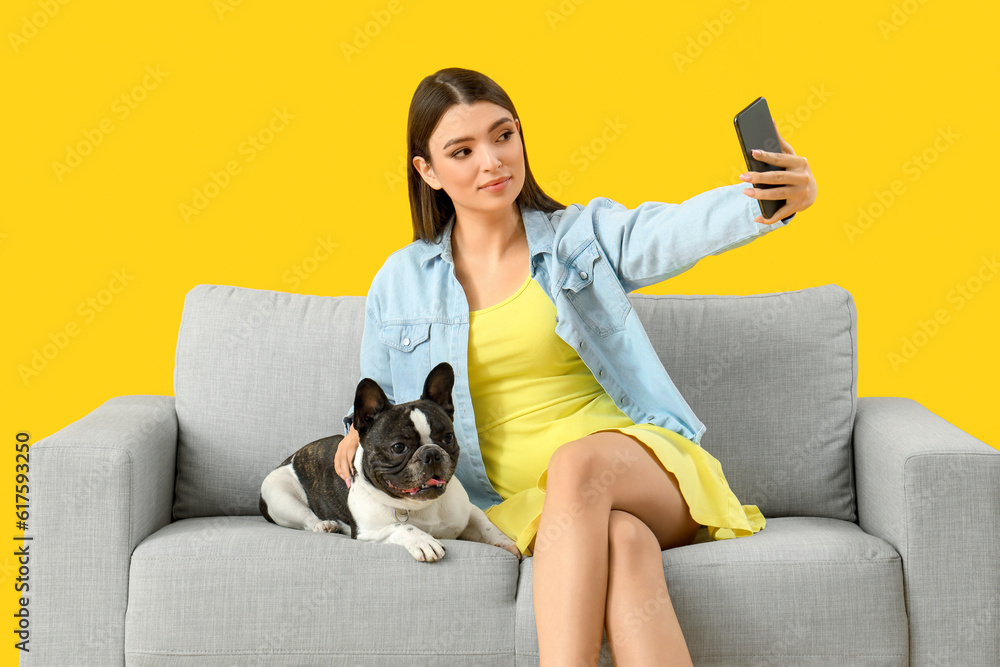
{"type": "Point", "coordinates": [343, 460]}
{"type": "Point", "coordinates": [796, 184]}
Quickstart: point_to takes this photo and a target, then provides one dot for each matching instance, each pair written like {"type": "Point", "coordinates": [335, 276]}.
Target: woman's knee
{"type": "Point", "coordinates": [572, 464]}
{"type": "Point", "coordinates": [629, 537]}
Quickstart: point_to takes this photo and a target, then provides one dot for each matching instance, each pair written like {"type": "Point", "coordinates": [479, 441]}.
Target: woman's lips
{"type": "Point", "coordinates": [498, 187]}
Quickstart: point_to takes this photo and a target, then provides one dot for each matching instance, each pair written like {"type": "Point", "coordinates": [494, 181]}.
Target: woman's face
{"type": "Point", "coordinates": [473, 145]}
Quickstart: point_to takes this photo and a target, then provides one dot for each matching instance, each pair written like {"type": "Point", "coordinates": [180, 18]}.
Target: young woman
{"type": "Point", "coordinates": [574, 439]}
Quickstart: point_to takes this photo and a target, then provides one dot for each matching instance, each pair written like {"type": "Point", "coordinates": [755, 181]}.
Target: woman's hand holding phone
{"type": "Point", "coordinates": [796, 184]}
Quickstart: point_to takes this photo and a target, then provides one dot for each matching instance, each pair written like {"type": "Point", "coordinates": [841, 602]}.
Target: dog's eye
{"type": "Point", "coordinates": [448, 437]}
{"type": "Point", "coordinates": [398, 448]}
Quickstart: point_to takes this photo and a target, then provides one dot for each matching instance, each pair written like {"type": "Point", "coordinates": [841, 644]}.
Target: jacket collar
{"type": "Point", "coordinates": [537, 228]}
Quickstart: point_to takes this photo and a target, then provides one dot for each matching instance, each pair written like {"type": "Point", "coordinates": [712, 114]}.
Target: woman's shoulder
{"type": "Point", "coordinates": [402, 267]}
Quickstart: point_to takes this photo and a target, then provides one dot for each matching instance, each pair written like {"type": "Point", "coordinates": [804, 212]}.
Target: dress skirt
{"type": "Point", "coordinates": [699, 475]}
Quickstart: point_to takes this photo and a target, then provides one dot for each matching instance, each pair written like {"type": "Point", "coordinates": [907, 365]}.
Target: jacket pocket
{"type": "Point", "coordinates": [409, 358]}
{"type": "Point", "coordinates": [405, 337]}
{"type": "Point", "coordinates": [593, 289]}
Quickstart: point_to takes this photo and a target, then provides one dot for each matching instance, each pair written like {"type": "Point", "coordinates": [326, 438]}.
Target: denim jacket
{"type": "Point", "coordinates": [586, 259]}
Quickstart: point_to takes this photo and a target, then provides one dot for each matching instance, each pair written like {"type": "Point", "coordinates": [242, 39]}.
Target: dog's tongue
{"type": "Point", "coordinates": [431, 482]}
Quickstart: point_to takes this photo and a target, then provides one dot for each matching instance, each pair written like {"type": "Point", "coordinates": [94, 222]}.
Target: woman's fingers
{"type": "Point", "coordinates": [343, 460]}
{"type": "Point", "coordinates": [786, 160]}
{"type": "Point", "coordinates": [776, 177]}
{"type": "Point", "coordinates": [785, 146]}
{"type": "Point", "coordinates": [796, 184]}
{"type": "Point", "coordinates": [770, 193]}
{"type": "Point", "coordinates": [780, 214]}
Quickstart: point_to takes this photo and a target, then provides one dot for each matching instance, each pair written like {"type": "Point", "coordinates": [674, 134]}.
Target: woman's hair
{"type": "Point", "coordinates": [437, 93]}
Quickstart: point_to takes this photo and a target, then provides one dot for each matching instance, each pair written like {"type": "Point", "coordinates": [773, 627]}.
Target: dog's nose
{"type": "Point", "coordinates": [430, 455]}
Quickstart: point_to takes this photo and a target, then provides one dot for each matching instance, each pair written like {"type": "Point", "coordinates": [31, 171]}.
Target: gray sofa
{"type": "Point", "coordinates": [881, 545]}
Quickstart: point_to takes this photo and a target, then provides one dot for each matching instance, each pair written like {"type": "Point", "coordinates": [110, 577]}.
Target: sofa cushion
{"type": "Point", "coordinates": [240, 590]}
{"type": "Point", "coordinates": [774, 379]}
{"type": "Point", "coordinates": [788, 595]}
{"type": "Point", "coordinates": [260, 373]}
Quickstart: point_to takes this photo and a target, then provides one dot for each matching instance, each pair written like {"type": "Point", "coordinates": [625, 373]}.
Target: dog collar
{"type": "Point", "coordinates": [406, 517]}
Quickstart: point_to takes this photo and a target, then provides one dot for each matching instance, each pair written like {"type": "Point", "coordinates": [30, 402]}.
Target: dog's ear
{"type": "Point", "coordinates": [369, 401]}
{"type": "Point", "coordinates": [438, 387]}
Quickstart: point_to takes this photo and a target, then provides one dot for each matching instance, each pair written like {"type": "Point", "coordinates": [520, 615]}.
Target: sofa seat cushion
{"type": "Point", "coordinates": [240, 590]}
{"type": "Point", "coordinates": [803, 591]}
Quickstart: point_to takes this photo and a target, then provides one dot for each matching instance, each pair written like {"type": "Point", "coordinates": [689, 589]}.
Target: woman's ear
{"type": "Point", "coordinates": [426, 172]}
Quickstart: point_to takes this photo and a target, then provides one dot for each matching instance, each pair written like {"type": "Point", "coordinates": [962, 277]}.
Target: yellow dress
{"type": "Point", "coordinates": [531, 393]}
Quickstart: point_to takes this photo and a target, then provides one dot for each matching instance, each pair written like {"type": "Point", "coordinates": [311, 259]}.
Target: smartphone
{"type": "Point", "coordinates": [755, 129]}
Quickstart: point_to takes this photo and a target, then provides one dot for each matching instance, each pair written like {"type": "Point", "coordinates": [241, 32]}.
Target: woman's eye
{"type": "Point", "coordinates": [505, 135]}
{"type": "Point", "coordinates": [398, 448]}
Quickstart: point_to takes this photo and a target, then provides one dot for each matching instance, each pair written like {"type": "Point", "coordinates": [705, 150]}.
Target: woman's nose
{"type": "Point", "coordinates": [492, 161]}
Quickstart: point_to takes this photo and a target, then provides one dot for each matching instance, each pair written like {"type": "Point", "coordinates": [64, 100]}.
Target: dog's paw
{"type": "Point", "coordinates": [423, 547]}
{"type": "Point", "coordinates": [511, 547]}
{"type": "Point", "coordinates": [326, 527]}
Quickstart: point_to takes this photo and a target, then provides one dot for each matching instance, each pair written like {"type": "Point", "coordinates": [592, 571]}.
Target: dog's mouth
{"type": "Point", "coordinates": [432, 483]}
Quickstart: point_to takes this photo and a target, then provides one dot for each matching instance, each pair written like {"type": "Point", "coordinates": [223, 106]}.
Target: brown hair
{"type": "Point", "coordinates": [430, 208]}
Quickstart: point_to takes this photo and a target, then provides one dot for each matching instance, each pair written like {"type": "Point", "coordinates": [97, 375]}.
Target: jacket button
{"type": "Point", "coordinates": [623, 400]}
{"type": "Point", "coordinates": [601, 372]}
{"type": "Point", "coordinates": [583, 275]}
{"type": "Point", "coordinates": [406, 341]}
{"type": "Point", "coordinates": [581, 344]}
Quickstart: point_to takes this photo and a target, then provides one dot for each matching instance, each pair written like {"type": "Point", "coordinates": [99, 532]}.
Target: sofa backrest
{"type": "Point", "coordinates": [260, 373]}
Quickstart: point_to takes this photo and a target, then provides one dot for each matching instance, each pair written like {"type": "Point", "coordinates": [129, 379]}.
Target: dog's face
{"type": "Point", "coordinates": [410, 449]}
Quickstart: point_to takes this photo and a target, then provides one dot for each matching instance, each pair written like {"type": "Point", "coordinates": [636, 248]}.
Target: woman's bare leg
{"type": "Point", "coordinates": [640, 620]}
{"type": "Point", "coordinates": [587, 479]}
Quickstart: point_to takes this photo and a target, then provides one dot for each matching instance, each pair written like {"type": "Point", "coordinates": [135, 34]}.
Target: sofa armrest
{"type": "Point", "coordinates": [98, 487]}
{"type": "Point", "coordinates": [932, 491]}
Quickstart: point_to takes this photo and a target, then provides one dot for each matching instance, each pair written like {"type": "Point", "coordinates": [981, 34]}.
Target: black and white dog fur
{"type": "Point", "coordinates": [403, 490]}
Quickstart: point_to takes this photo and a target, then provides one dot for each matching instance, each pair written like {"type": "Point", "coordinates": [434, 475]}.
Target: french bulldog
{"type": "Point", "coordinates": [403, 490]}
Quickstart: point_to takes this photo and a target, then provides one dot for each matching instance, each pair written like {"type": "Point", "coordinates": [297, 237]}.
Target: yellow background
{"type": "Point", "coordinates": [859, 88]}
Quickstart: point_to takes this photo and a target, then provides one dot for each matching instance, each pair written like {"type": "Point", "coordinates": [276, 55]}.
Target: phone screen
{"type": "Point", "coordinates": [755, 130]}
